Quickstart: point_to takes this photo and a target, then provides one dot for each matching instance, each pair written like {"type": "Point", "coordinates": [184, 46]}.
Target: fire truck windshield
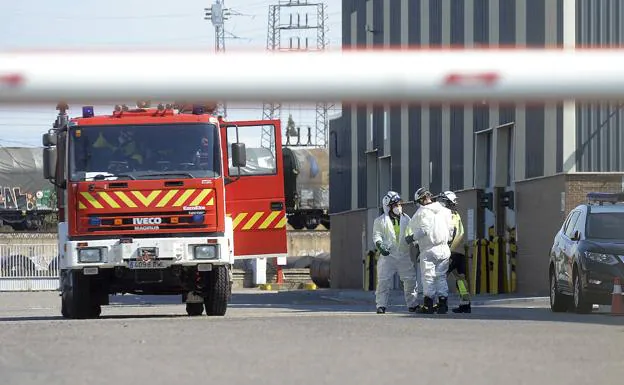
{"type": "Point", "coordinates": [146, 151]}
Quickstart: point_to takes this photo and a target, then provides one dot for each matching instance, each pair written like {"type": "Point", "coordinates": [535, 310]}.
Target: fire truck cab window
{"type": "Point", "coordinates": [259, 149]}
{"type": "Point", "coordinates": [141, 150]}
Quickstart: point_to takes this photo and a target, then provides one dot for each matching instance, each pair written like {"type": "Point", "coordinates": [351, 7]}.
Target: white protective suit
{"type": "Point", "coordinates": [397, 261]}
{"type": "Point", "coordinates": [432, 227]}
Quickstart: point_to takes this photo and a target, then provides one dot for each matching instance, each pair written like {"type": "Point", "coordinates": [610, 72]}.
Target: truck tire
{"type": "Point", "coordinates": [194, 309]}
{"type": "Point", "coordinates": [77, 301]}
{"type": "Point", "coordinates": [216, 300]}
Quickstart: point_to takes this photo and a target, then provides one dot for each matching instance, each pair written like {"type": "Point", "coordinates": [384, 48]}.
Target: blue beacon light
{"type": "Point", "coordinates": [87, 112]}
{"type": "Point", "coordinates": [95, 221]}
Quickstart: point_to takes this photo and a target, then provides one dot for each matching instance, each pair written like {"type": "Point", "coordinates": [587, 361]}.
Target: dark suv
{"type": "Point", "coordinates": [587, 254]}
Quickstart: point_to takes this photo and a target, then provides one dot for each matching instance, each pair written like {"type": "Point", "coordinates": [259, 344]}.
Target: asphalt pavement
{"type": "Point", "coordinates": [304, 337]}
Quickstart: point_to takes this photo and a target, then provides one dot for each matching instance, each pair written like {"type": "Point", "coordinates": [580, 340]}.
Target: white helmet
{"type": "Point", "coordinates": [392, 197]}
{"type": "Point", "coordinates": [450, 196]}
{"type": "Point", "coordinates": [421, 193]}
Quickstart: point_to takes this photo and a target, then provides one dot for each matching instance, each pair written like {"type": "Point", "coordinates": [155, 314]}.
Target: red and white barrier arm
{"type": "Point", "coordinates": [348, 76]}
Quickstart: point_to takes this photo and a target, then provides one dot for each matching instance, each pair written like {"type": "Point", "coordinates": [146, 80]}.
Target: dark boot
{"type": "Point", "coordinates": [427, 307]}
{"type": "Point", "coordinates": [442, 305]}
{"type": "Point", "coordinates": [381, 310]}
{"type": "Point", "coordinates": [465, 308]}
{"type": "Point", "coordinates": [413, 309]}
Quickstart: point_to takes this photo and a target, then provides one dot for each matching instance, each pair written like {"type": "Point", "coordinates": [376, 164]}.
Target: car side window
{"type": "Point", "coordinates": [580, 223]}
{"type": "Point", "coordinates": [566, 223]}
{"type": "Point", "coordinates": [260, 155]}
{"type": "Point", "coordinates": [572, 224]}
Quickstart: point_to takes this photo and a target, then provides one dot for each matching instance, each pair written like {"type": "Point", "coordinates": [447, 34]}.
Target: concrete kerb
{"type": "Point", "coordinates": [396, 297]}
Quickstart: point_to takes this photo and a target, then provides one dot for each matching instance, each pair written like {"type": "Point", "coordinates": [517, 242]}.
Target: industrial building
{"type": "Point", "coordinates": [538, 161]}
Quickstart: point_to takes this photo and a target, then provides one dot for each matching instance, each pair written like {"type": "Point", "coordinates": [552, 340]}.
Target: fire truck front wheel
{"type": "Point", "coordinates": [218, 291]}
{"type": "Point", "coordinates": [77, 299]}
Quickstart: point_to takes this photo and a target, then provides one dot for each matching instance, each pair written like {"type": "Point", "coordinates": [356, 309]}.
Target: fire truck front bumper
{"type": "Point", "coordinates": [147, 253]}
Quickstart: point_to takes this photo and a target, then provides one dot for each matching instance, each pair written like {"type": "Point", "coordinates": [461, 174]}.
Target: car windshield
{"type": "Point", "coordinates": [155, 151]}
{"type": "Point", "coordinates": [605, 226]}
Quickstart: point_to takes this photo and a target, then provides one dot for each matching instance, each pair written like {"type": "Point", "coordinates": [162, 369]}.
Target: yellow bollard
{"type": "Point", "coordinates": [513, 251]}
{"type": "Point", "coordinates": [493, 266]}
{"type": "Point", "coordinates": [369, 270]}
{"type": "Point", "coordinates": [505, 278]}
{"type": "Point", "coordinates": [479, 271]}
{"type": "Point", "coordinates": [483, 266]}
{"type": "Point", "coordinates": [474, 267]}
{"type": "Point", "coordinates": [365, 262]}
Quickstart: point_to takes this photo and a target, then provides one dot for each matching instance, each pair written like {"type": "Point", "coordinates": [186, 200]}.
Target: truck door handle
{"type": "Point", "coordinates": [277, 206]}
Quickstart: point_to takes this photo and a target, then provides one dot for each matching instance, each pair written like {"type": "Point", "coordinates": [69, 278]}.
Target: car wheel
{"type": "Point", "coordinates": [581, 305]}
{"type": "Point", "coordinates": [558, 302]}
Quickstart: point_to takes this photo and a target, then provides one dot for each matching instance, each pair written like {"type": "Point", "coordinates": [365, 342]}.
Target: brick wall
{"type": "Point", "coordinates": [578, 185]}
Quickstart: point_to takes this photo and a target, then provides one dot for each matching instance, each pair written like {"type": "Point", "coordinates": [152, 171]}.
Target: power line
{"type": "Point", "coordinates": [84, 17]}
{"type": "Point", "coordinates": [217, 14]}
{"type": "Point", "coordinates": [297, 24]}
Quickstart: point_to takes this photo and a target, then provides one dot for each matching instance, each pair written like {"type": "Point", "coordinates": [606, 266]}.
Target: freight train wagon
{"type": "Point", "coordinates": [26, 198]}
{"type": "Point", "coordinates": [306, 184]}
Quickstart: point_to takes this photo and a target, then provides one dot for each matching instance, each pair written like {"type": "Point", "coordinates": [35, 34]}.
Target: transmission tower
{"type": "Point", "coordinates": [272, 109]}
{"type": "Point", "coordinates": [217, 14]}
{"type": "Point", "coordinates": [323, 108]}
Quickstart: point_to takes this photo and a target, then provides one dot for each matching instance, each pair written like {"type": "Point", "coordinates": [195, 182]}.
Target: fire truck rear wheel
{"type": "Point", "coordinates": [64, 311]}
{"type": "Point", "coordinates": [194, 309]}
{"type": "Point", "coordinates": [216, 300]}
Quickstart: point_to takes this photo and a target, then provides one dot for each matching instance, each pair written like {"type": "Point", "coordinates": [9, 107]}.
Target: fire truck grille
{"type": "Point", "coordinates": [159, 221]}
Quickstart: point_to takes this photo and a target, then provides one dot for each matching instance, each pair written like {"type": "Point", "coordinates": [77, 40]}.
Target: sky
{"type": "Point", "coordinates": [75, 24]}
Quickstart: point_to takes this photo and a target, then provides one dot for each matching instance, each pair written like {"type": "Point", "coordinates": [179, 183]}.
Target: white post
{"type": "Point", "coordinates": [258, 266]}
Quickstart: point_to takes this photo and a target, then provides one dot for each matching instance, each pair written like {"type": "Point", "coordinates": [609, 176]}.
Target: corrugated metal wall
{"type": "Point", "coordinates": [440, 150]}
{"type": "Point", "coordinates": [599, 126]}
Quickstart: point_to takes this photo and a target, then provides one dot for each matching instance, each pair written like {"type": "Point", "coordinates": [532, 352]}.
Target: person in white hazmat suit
{"type": "Point", "coordinates": [432, 228]}
{"type": "Point", "coordinates": [389, 238]}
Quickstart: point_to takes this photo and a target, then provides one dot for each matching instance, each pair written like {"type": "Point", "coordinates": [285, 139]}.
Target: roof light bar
{"type": "Point", "coordinates": [602, 197]}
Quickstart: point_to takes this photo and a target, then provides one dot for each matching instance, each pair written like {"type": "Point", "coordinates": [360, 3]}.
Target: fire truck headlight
{"type": "Point", "coordinates": [205, 252]}
{"type": "Point", "coordinates": [90, 255]}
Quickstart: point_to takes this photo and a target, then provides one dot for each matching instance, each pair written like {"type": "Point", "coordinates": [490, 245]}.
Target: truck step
{"type": "Point", "coordinates": [297, 278]}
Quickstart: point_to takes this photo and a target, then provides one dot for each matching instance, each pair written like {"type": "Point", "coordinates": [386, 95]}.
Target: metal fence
{"type": "Point", "coordinates": [29, 267]}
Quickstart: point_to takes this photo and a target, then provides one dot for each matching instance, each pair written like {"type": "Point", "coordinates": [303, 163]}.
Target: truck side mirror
{"type": "Point", "coordinates": [49, 140]}
{"type": "Point", "coordinates": [239, 155]}
{"type": "Point", "coordinates": [49, 163]}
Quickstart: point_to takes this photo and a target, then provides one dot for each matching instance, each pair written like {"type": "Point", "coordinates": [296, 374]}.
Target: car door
{"type": "Point", "coordinates": [572, 247]}
{"type": "Point", "coordinates": [568, 247]}
{"type": "Point", "coordinates": [255, 193]}
{"type": "Point", "coordinates": [558, 248]}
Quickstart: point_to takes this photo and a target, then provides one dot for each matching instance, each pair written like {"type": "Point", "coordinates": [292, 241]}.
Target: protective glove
{"type": "Point", "coordinates": [383, 249]}
{"type": "Point", "coordinates": [409, 239]}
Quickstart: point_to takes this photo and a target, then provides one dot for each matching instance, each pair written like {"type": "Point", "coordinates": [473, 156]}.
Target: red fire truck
{"type": "Point", "coordinates": [161, 201]}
